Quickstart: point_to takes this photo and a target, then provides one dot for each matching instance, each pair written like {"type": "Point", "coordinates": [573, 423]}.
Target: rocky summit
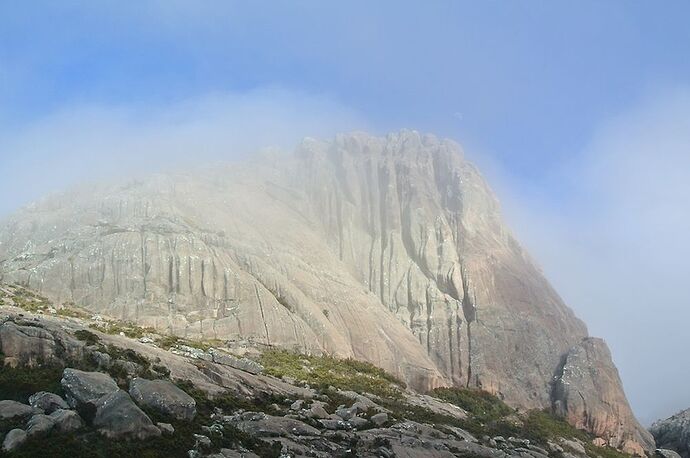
{"type": "Point", "coordinates": [387, 250]}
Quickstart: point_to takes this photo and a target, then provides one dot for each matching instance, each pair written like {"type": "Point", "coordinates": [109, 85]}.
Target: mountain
{"type": "Point", "coordinates": [389, 250]}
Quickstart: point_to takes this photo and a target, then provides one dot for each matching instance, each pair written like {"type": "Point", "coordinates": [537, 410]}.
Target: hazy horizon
{"type": "Point", "coordinates": [579, 117]}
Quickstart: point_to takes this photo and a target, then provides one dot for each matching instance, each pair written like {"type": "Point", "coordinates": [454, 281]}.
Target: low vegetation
{"type": "Point", "coordinates": [18, 383]}
{"type": "Point", "coordinates": [328, 371]}
{"type": "Point", "coordinates": [487, 414]}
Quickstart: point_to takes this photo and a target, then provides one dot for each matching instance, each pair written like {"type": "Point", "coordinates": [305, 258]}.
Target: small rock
{"type": "Point", "coordinates": [243, 364]}
{"type": "Point", "coordinates": [47, 402]}
{"type": "Point", "coordinates": [166, 428]}
{"type": "Point", "coordinates": [575, 446]}
{"type": "Point", "coordinates": [555, 448]}
{"type": "Point", "coordinates": [334, 425]}
{"type": "Point", "coordinates": [66, 421]}
{"type": "Point", "coordinates": [103, 360]}
{"type": "Point", "coordinates": [599, 442]}
{"type": "Point", "coordinates": [39, 425]}
{"type": "Point", "coordinates": [518, 441]}
{"type": "Point", "coordinates": [357, 422]}
{"type": "Point", "coordinates": [202, 441]}
{"type": "Point", "coordinates": [346, 414]}
{"type": "Point", "coordinates": [13, 409]}
{"type": "Point", "coordinates": [317, 410]}
{"type": "Point", "coordinates": [252, 416]}
{"type": "Point", "coordinates": [297, 405]}
{"type": "Point", "coordinates": [360, 407]}
{"type": "Point", "coordinates": [14, 439]}
{"type": "Point", "coordinates": [379, 419]}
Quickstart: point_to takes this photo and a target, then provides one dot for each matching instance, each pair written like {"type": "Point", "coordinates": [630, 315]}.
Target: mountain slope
{"type": "Point", "coordinates": [390, 250]}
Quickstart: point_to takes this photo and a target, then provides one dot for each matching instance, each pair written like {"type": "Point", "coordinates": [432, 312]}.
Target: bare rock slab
{"type": "Point", "coordinates": [163, 396]}
{"type": "Point", "coordinates": [117, 416]}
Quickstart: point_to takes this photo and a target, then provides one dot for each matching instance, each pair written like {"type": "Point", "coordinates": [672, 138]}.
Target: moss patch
{"type": "Point", "coordinates": [325, 371]}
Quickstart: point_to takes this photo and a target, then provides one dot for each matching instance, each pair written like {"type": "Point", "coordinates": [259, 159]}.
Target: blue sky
{"type": "Point", "coordinates": [549, 97]}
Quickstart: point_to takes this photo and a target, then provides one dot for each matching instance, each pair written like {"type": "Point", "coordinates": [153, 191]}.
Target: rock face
{"type": "Point", "coordinates": [674, 433]}
{"type": "Point", "coordinates": [390, 250]}
{"type": "Point", "coordinates": [588, 392]}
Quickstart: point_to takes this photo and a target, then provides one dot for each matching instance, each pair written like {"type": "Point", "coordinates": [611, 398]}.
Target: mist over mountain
{"type": "Point", "coordinates": [390, 250]}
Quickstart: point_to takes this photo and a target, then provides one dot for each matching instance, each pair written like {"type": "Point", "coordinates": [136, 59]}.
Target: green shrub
{"type": "Point", "coordinates": [483, 405]}
{"type": "Point", "coordinates": [87, 336]}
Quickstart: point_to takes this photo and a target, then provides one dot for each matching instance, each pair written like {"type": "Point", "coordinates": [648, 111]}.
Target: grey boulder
{"type": "Point", "coordinates": [270, 426]}
{"type": "Point", "coordinates": [664, 453]}
{"type": "Point", "coordinates": [12, 409]}
{"type": "Point", "coordinates": [673, 433]}
{"type": "Point", "coordinates": [47, 402]}
{"type": "Point", "coordinates": [117, 416]}
{"type": "Point", "coordinates": [39, 425]}
{"type": "Point", "coordinates": [379, 419]}
{"type": "Point", "coordinates": [82, 387]}
{"type": "Point", "coordinates": [14, 439]}
{"type": "Point", "coordinates": [163, 396]}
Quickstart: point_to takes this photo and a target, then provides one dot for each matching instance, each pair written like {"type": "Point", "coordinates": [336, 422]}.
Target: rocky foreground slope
{"type": "Point", "coordinates": [72, 384]}
{"type": "Point", "coordinates": [674, 433]}
{"type": "Point", "coordinates": [389, 250]}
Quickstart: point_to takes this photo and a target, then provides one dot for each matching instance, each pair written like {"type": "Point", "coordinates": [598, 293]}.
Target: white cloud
{"type": "Point", "coordinates": [616, 244]}
{"type": "Point", "coordinates": [93, 142]}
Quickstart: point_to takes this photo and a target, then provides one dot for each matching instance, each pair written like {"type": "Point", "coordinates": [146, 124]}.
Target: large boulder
{"type": "Point", "coordinates": [664, 453]}
{"type": "Point", "coordinates": [117, 416]}
{"type": "Point", "coordinates": [262, 425]}
{"type": "Point", "coordinates": [163, 396]}
{"type": "Point", "coordinates": [588, 393]}
{"type": "Point", "coordinates": [47, 402]}
{"type": "Point", "coordinates": [10, 410]}
{"type": "Point", "coordinates": [26, 345]}
{"type": "Point", "coordinates": [83, 387]}
{"type": "Point", "coordinates": [673, 433]}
